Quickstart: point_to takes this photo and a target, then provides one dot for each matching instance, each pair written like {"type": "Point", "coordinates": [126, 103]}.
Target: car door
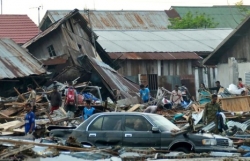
{"type": "Point", "coordinates": [106, 131]}
{"type": "Point", "coordinates": [138, 132]}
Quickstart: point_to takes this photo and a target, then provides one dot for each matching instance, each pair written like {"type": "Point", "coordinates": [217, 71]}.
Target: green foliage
{"type": "Point", "coordinates": [243, 10]}
{"type": "Point", "coordinates": [190, 21]}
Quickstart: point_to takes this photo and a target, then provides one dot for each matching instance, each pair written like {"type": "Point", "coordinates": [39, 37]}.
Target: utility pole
{"type": "Point", "coordinates": [38, 8]}
{"type": "Point", "coordinates": [92, 33]}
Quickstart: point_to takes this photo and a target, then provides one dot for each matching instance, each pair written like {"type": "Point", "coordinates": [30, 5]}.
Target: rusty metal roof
{"type": "Point", "coordinates": [16, 62]}
{"type": "Point", "coordinates": [113, 79]}
{"type": "Point", "coordinates": [117, 20]}
{"type": "Point", "coordinates": [189, 40]}
{"type": "Point", "coordinates": [155, 56]}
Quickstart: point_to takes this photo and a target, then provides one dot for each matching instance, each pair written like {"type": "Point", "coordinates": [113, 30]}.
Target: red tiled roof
{"type": "Point", "coordinates": [20, 28]}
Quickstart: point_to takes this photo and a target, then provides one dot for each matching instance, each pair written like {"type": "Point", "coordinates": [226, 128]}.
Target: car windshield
{"type": "Point", "coordinates": [162, 123]}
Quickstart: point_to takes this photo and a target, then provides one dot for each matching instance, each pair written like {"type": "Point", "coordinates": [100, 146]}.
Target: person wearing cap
{"type": "Point", "coordinates": [55, 99]}
{"type": "Point", "coordinates": [88, 110]}
{"type": "Point", "coordinates": [211, 111]}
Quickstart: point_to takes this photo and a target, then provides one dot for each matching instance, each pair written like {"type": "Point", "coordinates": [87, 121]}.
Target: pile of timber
{"type": "Point", "coordinates": [12, 114]}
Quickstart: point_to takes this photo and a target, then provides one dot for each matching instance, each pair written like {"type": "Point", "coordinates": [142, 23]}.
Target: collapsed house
{"type": "Point", "coordinates": [61, 49]}
{"type": "Point", "coordinates": [144, 50]}
{"type": "Point", "coordinates": [18, 68]}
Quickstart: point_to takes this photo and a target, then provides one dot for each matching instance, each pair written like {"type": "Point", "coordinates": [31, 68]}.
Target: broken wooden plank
{"type": "Point", "coordinates": [10, 111]}
{"type": "Point", "coordinates": [18, 125]}
{"type": "Point", "coordinates": [15, 104]}
{"type": "Point", "coordinates": [5, 116]}
{"type": "Point", "coordinates": [6, 133]}
{"type": "Point", "coordinates": [10, 124]}
{"type": "Point", "coordinates": [51, 120]}
{"type": "Point", "coordinates": [15, 151]}
{"type": "Point", "coordinates": [19, 94]}
{"type": "Point", "coordinates": [135, 107]}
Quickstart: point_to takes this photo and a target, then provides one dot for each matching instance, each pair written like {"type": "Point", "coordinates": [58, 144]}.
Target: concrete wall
{"type": "Point", "coordinates": [224, 73]}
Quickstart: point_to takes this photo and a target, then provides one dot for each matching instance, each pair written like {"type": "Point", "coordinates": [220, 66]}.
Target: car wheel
{"type": "Point", "coordinates": [182, 149]}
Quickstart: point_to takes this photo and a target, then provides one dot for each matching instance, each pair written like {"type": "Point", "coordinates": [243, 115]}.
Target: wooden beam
{"type": "Point", "coordinates": [15, 151]}
{"type": "Point", "coordinates": [135, 107]}
{"type": "Point", "coordinates": [2, 114]}
{"type": "Point", "coordinates": [19, 94]}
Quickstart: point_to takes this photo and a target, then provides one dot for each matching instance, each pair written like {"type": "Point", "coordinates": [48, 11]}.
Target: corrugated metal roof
{"type": "Point", "coordinates": [155, 56]}
{"type": "Point", "coordinates": [20, 28]}
{"type": "Point", "coordinates": [113, 79]}
{"type": "Point", "coordinates": [226, 16]}
{"type": "Point", "coordinates": [15, 62]}
{"type": "Point", "coordinates": [118, 20]}
{"type": "Point", "coordinates": [199, 40]}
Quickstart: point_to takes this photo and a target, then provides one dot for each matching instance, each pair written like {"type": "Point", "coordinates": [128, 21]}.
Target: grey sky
{"type": "Point", "coordinates": [28, 6]}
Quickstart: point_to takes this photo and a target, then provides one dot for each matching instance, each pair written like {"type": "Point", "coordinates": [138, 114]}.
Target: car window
{"type": "Point", "coordinates": [162, 123]}
{"type": "Point", "coordinates": [96, 125]}
{"type": "Point", "coordinates": [136, 123]}
{"type": "Point", "coordinates": [113, 123]}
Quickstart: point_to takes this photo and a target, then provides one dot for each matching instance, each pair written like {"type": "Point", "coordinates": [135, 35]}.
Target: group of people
{"type": "Point", "coordinates": [55, 98]}
{"type": "Point", "coordinates": [212, 111]}
{"type": "Point", "coordinates": [177, 96]}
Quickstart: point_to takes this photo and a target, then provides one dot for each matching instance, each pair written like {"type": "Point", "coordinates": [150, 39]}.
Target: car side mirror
{"type": "Point", "coordinates": [155, 129]}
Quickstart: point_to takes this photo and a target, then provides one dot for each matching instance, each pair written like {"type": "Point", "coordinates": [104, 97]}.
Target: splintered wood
{"type": "Point", "coordinates": [236, 104]}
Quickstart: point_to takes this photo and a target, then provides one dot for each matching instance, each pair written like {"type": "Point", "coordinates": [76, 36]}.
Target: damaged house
{"type": "Point", "coordinates": [18, 68]}
{"type": "Point", "coordinates": [143, 49]}
{"type": "Point", "coordinates": [232, 56]}
{"type": "Point", "coordinates": [66, 49]}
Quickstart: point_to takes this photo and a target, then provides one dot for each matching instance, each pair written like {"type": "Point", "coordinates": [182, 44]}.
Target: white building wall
{"type": "Point", "coordinates": [224, 73]}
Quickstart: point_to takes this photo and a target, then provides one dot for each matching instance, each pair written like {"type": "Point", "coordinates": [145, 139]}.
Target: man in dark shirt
{"type": "Point", "coordinates": [55, 100]}
{"type": "Point", "coordinates": [217, 88]}
{"type": "Point", "coordinates": [210, 112]}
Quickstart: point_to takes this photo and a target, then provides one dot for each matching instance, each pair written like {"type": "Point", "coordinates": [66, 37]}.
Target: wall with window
{"type": "Point", "coordinates": [49, 46]}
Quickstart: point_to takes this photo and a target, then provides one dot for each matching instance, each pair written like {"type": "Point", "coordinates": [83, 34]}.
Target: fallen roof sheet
{"type": "Point", "coordinates": [117, 20]}
{"type": "Point", "coordinates": [155, 56]}
{"type": "Point", "coordinates": [226, 16]}
{"type": "Point", "coordinates": [20, 28]}
{"type": "Point", "coordinates": [189, 40]}
{"type": "Point", "coordinates": [15, 62]}
{"type": "Point", "coordinates": [114, 80]}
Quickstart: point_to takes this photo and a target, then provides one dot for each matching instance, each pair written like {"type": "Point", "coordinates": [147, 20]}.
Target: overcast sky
{"type": "Point", "coordinates": [30, 6]}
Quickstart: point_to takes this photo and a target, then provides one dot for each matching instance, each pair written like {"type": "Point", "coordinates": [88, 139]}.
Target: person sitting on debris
{"type": "Point", "coordinates": [217, 88]}
{"type": "Point", "coordinates": [144, 93]}
{"type": "Point", "coordinates": [70, 100]}
{"type": "Point", "coordinates": [176, 97]}
{"type": "Point", "coordinates": [55, 99]}
{"type": "Point", "coordinates": [32, 97]}
{"type": "Point", "coordinates": [153, 109]}
{"type": "Point", "coordinates": [29, 119]}
{"type": "Point", "coordinates": [202, 87]}
{"type": "Point", "coordinates": [210, 112]}
{"type": "Point", "coordinates": [88, 110]}
{"type": "Point", "coordinates": [240, 84]}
